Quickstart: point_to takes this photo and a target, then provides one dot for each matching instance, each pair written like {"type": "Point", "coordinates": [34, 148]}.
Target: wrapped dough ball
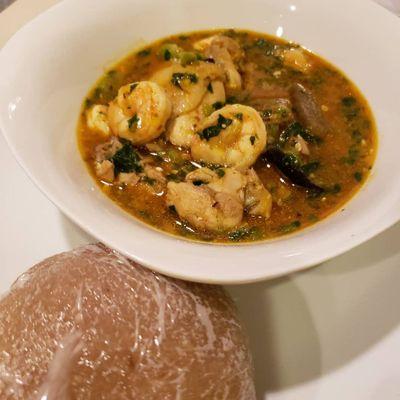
{"type": "Point", "coordinates": [89, 324]}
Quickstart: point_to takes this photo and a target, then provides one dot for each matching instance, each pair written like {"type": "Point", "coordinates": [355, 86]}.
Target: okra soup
{"type": "Point", "coordinates": [227, 136]}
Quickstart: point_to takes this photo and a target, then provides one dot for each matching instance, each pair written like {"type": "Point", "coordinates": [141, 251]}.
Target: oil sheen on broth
{"type": "Point", "coordinates": [227, 136]}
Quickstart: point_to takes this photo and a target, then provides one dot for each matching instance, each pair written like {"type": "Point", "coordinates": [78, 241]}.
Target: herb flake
{"type": "Point", "coordinates": [179, 77]}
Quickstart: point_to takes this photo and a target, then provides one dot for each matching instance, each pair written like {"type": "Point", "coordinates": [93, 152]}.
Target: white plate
{"type": "Point", "coordinates": [326, 334]}
{"type": "Point", "coordinates": [46, 69]}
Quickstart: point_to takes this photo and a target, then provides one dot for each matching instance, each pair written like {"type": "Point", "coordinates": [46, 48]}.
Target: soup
{"type": "Point", "coordinates": [227, 136]}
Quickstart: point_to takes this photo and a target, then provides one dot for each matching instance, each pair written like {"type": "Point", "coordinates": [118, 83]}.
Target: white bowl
{"type": "Point", "coordinates": [47, 68]}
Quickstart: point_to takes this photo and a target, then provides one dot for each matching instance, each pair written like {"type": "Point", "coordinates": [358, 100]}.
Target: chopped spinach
{"type": "Point", "coordinates": [352, 155]}
{"type": "Point", "coordinates": [174, 177]}
{"type": "Point", "coordinates": [220, 172]}
{"type": "Point", "coordinates": [310, 167]}
{"type": "Point", "coordinates": [167, 55]}
{"type": "Point", "coordinates": [239, 116]}
{"type": "Point", "coordinates": [210, 88]}
{"type": "Point", "coordinates": [265, 45]}
{"type": "Point", "coordinates": [312, 218]}
{"type": "Point", "coordinates": [133, 87]}
{"type": "Point", "coordinates": [358, 176]}
{"type": "Point", "coordinates": [178, 77]}
{"type": "Point", "coordinates": [252, 233]}
{"type": "Point", "coordinates": [215, 130]}
{"type": "Point", "coordinates": [189, 57]}
{"type": "Point", "coordinates": [88, 103]}
{"type": "Point", "coordinates": [294, 129]}
{"type": "Point", "coordinates": [350, 107]}
{"type": "Point", "coordinates": [357, 136]}
{"type": "Point", "coordinates": [348, 101]}
{"type": "Point", "coordinates": [133, 122]}
{"type": "Point", "coordinates": [126, 159]}
{"type": "Point", "coordinates": [231, 100]}
{"type": "Point", "coordinates": [292, 226]}
{"type": "Point", "coordinates": [335, 189]}
{"type": "Point", "coordinates": [144, 52]}
{"type": "Point", "coordinates": [217, 105]}
{"type": "Point", "coordinates": [148, 180]}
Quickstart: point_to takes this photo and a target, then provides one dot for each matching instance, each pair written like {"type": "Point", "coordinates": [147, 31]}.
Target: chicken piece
{"type": "Point", "coordinates": [257, 199]}
{"type": "Point", "coordinates": [105, 170]}
{"type": "Point", "coordinates": [227, 53]}
{"type": "Point", "coordinates": [207, 201]}
{"type": "Point", "coordinates": [128, 178]}
{"type": "Point", "coordinates": [106, 150]}
{"type": "Point", "coordinates": [297, 58]}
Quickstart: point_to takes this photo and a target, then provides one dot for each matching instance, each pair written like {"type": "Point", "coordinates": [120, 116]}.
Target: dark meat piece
{"type": "Point", "coordinates": [290, 166]}
{"type": "Point", "coordinates": [307, 109]}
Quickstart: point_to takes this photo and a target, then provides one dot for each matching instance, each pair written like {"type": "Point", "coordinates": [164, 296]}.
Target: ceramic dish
{"type": "Point", "coordinates": [47, 67]}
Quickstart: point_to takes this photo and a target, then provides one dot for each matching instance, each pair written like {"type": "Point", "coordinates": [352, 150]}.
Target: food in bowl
{"type": "Point", "coordinates": [91, 324]}
{"type": "Point", "coordinates": [227, 136]}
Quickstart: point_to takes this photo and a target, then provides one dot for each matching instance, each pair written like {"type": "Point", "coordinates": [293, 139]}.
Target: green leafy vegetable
{"type": "Point", "coordinates": [215, 130]}
{"type": "Point", "coordinates": [292, 226]}
{"type": "Point", "coordinates": [357, 136]}
{"type": "Point", "coordinates": [178, 77]}
{"type": "Point", "coordinates": [239, 116]}
{"type": "Point", "coordinates": [352, 155]}
{"type": "Point", "coordinates": [265, 45]}
{"type": "Point", "coordinates": [144, 52]}
{"type": "Point", "coordinates": [231, 100]}
{"type": "Point", "coordinates": [252, 233]}
{"type": "Point", "coordinates": [335, 189]}
{"type": "Point", "coordinates": [294, 129]}
{"type": "Point", "coordinates": [126, 159]}
{"type": "Point", "coordinates": [220, 172]}
{"type": "Point", "coordinates": [148, 180]}
{"type": "Point", "coordinates": [252, 140]}
{"type": "Point", "coordinates": [133, 87]}
{"type": "Point", "coordinates": [133, 122]}
{"type": "Point", "coordinates": [350, 107]}
{"type": "Point", "coordinates": [349, 101]}
{"type": "Point", "coordinates": [312, 218]}
{"type": "Point", "coordinates": [189, 57]}
{"type": "Point", "coordinates": [358, 176]}
{"type": "Point", "coordinates": [210, 88]}
{"type": "Point", "coordinates": [217, 105]}
{"type": "Point", "coordinates": [310, 167]}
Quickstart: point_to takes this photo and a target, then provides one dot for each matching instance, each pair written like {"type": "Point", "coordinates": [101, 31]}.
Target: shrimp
{"type": "Point", "coordinates": [140, 112]}
{"type": "Point", "coordinates": [257, 199]}
{"type": "Point", "coordinates": [207, 201]}
{"type": "Point", "coordinates": [96, 119]}
{"type": "Point", "coordinates": [234, 136]}
{"type": "Point", "coordinates": [186, 86]}
{"type": "Point", "coordinates": [184, 127]}
{"type": "Point", "coordinates": [226, 52]}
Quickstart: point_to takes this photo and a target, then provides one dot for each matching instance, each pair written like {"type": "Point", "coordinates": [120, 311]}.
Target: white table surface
{"type": "Point", "coordinates": [330, 333]}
